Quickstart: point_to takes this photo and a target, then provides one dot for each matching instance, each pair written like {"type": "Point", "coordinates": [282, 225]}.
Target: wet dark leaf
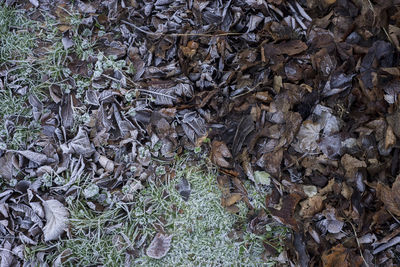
{"type": "Point", "coordinates": [183, 188]}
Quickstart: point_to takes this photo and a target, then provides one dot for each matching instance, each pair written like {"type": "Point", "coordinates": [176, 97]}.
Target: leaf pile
{"type": "Point", "coordinates": [298, 96]}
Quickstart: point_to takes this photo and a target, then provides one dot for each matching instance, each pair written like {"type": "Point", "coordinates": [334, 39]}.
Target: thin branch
{"type": "Point", "coordinates": [182, 34]}
{"type": "Point", "coordinates": [358, 243]}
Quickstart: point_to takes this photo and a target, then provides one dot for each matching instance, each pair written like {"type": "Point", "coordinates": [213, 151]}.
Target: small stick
{"type": "Point", "coordinates": [181, 34]}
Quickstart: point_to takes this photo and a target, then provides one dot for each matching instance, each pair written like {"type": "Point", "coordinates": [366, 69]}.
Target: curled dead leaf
{"type": "Point", "coordinates": [311, 206]}
{"type": "Point", "coordinates": [107, 164]}
{"type": "Point", "coordinates": [351, 165]}
{"type": "Point", "coordinates": [390, 196]}
{"type": "Point", "coordinates": [219, 151]}
{"type": "Point", "coordinates": [231, 199]}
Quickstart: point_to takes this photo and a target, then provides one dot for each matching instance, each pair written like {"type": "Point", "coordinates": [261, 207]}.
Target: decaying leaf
{"type": "Point", "coordinates": [336, 256]}
{"type": "Point", "coordinates": [262, 177]}
{"type": "Point", "coordinates": [307, 137]}
{"type": "Point", "coordinates": [38, 158]}
{"type": "Point", "coordinates": [285, 214]}
{"type": "Point", "coordinates": [339, 255]}
{"type": "Point", "coordinates": [56, 219]}
{"type": "Point", "coordinates": [159, 246]}
{"type": "Point", "coordinates": [219, 153]}
{"type": "Point", "coordinates": [107, 164]}
{"type": "Point", "coordinates": [230, 199]}
{"type": "Point", "coordinates": [351, 165]}
{"type": "Point", "coordinates": [311, 206]}
{"type": "Point", "coordinates": [390, 196]}
{"type": "Point", "coordinates": [183, 188]}
{"type": "Point", "coordinates": [390, 138]}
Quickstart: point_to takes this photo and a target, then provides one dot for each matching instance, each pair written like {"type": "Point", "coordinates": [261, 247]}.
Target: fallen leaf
{"type": "Point", "coordinates": [390, 196]}
{"type": "Point", "coordinates": [219, 151]}
{"type": "Point", "coordinates": [38, 158]}
{"type": "Point", "coordinates": [230, 199]}
{"type": "Point", "coordinates": [351, 165]}
{"type": "Point", "coordinates": [261, 177]}
{"type": "Point", "coordinates": [159, 246]}
{"type": "Point", "coordinates": [190, 49]}
{"type": "Point", "coordinates": [390, 138]}
{"type": "Point", "coordinates": [107, 164]}
{"type": "Point", "coordinates": [307, 137]}
{"type": "Point", "coordinates": [183, 188]}
{"type": "Point", "coordinates": [311, 206]}
{"type": "Point", "coordinates": [285, 214]}
{"type": "Point", "coordinates": [56, 219]}
{"type": "Point", "coordinates": [336, 256]}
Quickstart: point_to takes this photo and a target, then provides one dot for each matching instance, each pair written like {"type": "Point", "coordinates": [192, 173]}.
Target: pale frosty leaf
{"type": "Point", "coordinates": [81, 144]}
{"type": "Point", "coordinates": [307, 137]}
{"type": "Point", "coordinates": [34, 2]}
{"type": "Point", "coordinates": [159, 246]}
{"type": "Point", "coordinates": [261, 177]}
{"type": "Point", "coordinates": [6, 256]}
{"type": "Point", "coordinates": [56, 217]}
{"type": "Point", "coordinates": [28, 212]}
{"type": "Point", "coordinates": [67, 42]}
{"type": "Point", "coordinates": [38, 158]}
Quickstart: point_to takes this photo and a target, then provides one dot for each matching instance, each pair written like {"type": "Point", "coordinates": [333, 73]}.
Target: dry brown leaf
{"type": "Point", "coordinates": [223, 184]}
{"type": "Point", "coordinates": [231, 199]}
{"type": "Point", "coordinates": [264, 97]}
{"type": "Point", "coordinates": [311, 206]}
{"type": "Point", "coordinates": [351, 165]}
{"type": "Point", "coordinates": [219, 151]}
{"type": "Point", "coordinates": [329, 2]}
{"type": "Point", "coordinates": [191, 49]}
{"type": "Point", "coordinates": [390, 138]}
{"type": "Point", "coordinates": [232, 209]}
{"type": "Point", "coordinates": [336, 256]}
{"type": "Point", "coordinates": [285, 214]}
{"type": "Point", "coordinates": [390, 196]}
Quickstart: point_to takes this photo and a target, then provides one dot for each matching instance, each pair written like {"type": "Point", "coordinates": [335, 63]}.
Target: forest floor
{"type": "Point", "coordinates": [199, 133]}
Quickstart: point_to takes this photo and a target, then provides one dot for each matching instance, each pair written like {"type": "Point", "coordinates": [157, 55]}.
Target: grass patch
{"type": "Point", "coordinates": [201, 227]}
{"type": "Point", "coordinates": [33, 59]}
{"type": "Point", "coordinates": [17, 41]}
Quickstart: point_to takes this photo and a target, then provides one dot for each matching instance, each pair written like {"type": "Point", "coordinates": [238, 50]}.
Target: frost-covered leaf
{"type": "Point", "coordinates": [261, 177]}
{"type": "Point", "coordinates": [329, 123]}
{"type": "Point", "coordinates": [91, 191]}
{"type": "Point", "coordinates": [56, 217]}
{"type": "Point", "coordinates": [81, 145]}
{"type": "Point", "coordinates": [307, 137]}
{"type": "Point", "coordinates": [38, 158]}
{"type": "Point", "coordinates": [159, 246]}
{"type": "Point", "coordinates": [28, 212]}
{"type": "Point", "coordinates": [7, 258]}
{"type": "Point", "coordinates": [183, 188]}
{"type": "Point", "coordinates": [67, 42]}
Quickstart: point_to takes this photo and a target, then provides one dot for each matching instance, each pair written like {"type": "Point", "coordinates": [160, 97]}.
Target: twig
{"type": "Point", "coordinates": [156, 93]}
{"type": "Point", "coordinates": [358, 243]}
{"type": "Point", "coordinates": [393, 216]}
{"type": "Point", "coordinates": [181, 34]}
